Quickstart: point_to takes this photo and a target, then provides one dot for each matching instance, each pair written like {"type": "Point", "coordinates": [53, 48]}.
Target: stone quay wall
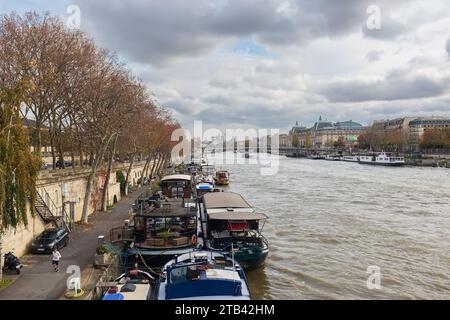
{"type": "Point", "coordinates": [60, 188]}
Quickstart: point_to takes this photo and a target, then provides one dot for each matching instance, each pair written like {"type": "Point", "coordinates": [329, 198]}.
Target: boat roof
{"type": "Point", "coordinates": [204, 186]}
{"type": "Point", "coordinates": [177, 177]}
{"type": "Point", "coordinates": [218, 281]}
{"type": "Point", "coordinates": [230, 215]}
{"type": "Point", "coordinates": [207, 164]}
{"type": "Point", "coordinates": [225, 200]}
{"type": "Point", "coordinates": [140, 292]}
{"type": "Point", "coordinates": [169, 208]}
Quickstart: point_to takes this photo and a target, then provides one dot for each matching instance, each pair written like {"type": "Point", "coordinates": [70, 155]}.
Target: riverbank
{"type": "Point", "coordinates": [38, 281]}
{"type": "Point", "coordinates": [441, 161]}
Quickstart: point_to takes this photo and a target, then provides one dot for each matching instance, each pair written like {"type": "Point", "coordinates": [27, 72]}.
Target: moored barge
{"type": "Point", "coordinates": [229, 224]}
{"type": "Point", "coordinates": [162, 231]}
{"type": "Point", "coordinates": [202, 275]}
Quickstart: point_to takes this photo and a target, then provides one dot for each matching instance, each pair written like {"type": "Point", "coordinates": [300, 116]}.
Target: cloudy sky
{"type": "Point", "coordinates": [269, 63]}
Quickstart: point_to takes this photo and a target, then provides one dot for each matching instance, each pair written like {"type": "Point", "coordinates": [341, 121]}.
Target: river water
{"type": "Point", "coordinates": [331, 221]}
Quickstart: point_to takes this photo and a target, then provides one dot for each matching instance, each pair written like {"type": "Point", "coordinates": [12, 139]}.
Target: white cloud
{"type": "Point", "coordinates": [320, 57]}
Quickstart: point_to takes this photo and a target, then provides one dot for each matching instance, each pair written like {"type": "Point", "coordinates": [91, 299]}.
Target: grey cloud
{"type": "Point", "coordinates": [158, 31]}
{"type": "Point", "coordinates": [219, 99]}
{"type": "Point", "coordinates": [153, 33]}
{"type": "Point", "coordinates": [390, 29]}
{"type": "Point", "coordinates": [396, 86]}
{"type": "Point", "coordinates": [149, 31]}
{"type": "Point", "coordinates": [448, 47]}
{"type": "Point", "coordinates": [222, 83]}
{"type": "Point", "coordinates": [182, 107]}
{"type": "Point", "coordinates": [374, 55]}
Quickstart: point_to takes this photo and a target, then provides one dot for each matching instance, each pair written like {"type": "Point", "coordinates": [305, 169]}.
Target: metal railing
{"type": "Point", "coordinates": [57, 212]}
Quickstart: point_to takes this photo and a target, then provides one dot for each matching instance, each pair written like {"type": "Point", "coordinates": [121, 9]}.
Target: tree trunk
{"type": "Point", "coordinates": [144, 171]}
{"type": "Point", "coordinates": [87, 197]}
{"type": "Point", "coordinates": [147, 166]}
{"type": "Point", "coordinates": [154, 166]}
{"type": "Point", "coordinates": [161, 164]}
{"type": "Point", "coordinates": [61, 156]}
{"type": "Point", "coordinates": [52, 148]}
{"type": "Point", "coordinates": [91, 158]}
{"type": "Point", "coordinates": [1, 257]}
{"type": "Point", "coordinates": [127, 178]}
{"type": "Point", "coordinates": [80, 152]}
{"type": "Point", "coordinates": [72, 156]}
{"type": "Point", "coordinates": [39, 136]}
{"type": "Point", "coordinates": [108, 176]}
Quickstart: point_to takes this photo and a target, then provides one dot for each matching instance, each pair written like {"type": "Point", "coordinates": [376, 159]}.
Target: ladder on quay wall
{"type": "Point", "coordinates": [49, 212]}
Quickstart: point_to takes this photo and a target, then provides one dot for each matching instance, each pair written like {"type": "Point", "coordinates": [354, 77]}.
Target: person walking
{"type": "Point", "coordinates": [56, 256]}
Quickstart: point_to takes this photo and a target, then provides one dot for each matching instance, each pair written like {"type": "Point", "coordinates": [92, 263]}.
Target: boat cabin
{"type": "Point", "coordinates": [170, 224]}
{"type": "Point", "coordinates": [232, 225]}
{"type": "Point", "coordinates": [204, 275]}
{"type": "Point", "coordinates": [237, 228]}
{"type": "Point", "coordinates": [177, 186]}
{"type": "Point", "coordinates": [222, 177]}
{"type": "Point", "coordinates": [203, 188]}
{"type": "Point", "coordinates": [132, 285]}
{"type": "Point", "coordinates": [231, 219]}
{"type": "Point", "coordinates": [208, 169]}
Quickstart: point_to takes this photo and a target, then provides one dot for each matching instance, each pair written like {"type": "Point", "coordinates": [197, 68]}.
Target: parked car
{"type": "Point", "coordinates": [67, 164]}
{"type": "Point", "coordinates": [50, 238]}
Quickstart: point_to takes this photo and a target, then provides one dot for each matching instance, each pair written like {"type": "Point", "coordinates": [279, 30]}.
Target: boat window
{"type": "Point", "coordinates": [192, 273]}
{"type": "Point", "coordinates": [139, 223]}
{"type": "Point", "coordinates": [178, 275]}
{"type": "Point", "coordinates": [128, 287]}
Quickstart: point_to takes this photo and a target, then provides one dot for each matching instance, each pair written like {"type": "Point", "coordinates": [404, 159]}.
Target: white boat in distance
{"type": "Point", "coordinates": [333, 158]}
{"type": "Point", "coordinates": [382, 159]}
{"type": "Point", "coordinates": [351, 159]}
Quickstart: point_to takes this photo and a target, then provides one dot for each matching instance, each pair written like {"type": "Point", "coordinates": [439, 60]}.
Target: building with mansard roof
{"type": "Point", "coordinates": [326, 134]}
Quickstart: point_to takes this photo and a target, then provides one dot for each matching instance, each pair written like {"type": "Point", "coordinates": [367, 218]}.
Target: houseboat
{"type": "Point", "coordinates": [202, 275]}
{"type": "Point", "coordinates": [207, 168]}
{"type": "Point", "coordinates": [316, 156]}
{"type": "Point", "coordinates": [162, 230]}
{"type": "Point", "coordinates": [222, 178]}
{"type": "Point", "coordinates": [204, 179]}
{"type": "Point", "coordinates": [229, 224]}
{"type": "Point", "coordinates": [132, 285]}
{"type": "Point", "coordinates": [203, 188]}
{"type": "Point", "coordinates": [382, 159]}
{"type": "Point", "coordinates": [331, 157]}
{"type": "Point", "coordinates": [350, 158]}
{"type": "Point", "coordinates": [177, 186]}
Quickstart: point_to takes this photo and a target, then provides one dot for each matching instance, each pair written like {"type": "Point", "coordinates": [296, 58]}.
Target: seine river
{"type": "Point", "coordinates": [331, 221]}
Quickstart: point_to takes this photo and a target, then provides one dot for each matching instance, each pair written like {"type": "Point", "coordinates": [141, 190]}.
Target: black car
{"type": "Point", "coordinates": [49, 239]}
{"type": "Point", "coordinates": [67, 164]}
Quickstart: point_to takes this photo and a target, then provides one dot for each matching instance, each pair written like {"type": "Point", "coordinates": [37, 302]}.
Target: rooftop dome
{"type": "Point", "coordinates": [348, 125]}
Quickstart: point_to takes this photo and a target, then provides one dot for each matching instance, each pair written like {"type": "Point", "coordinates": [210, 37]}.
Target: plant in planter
{"type": "Point", "coordinates": [166, 235]}
{"type": "Point", "coordinates": [102, 256]}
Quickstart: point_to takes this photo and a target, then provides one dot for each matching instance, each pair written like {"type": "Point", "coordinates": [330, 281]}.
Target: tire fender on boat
{"type": "Point", "coordinates": [194, 239]}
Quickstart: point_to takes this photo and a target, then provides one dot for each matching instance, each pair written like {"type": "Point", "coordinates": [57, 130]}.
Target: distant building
{"type": "Point", "coordinates": [398, 125]}
{"type": "Point", "coordinates": [284, 138]}
{"type": "Point", "coordinates": [326, 134]}
{"type": "Point", "coordinates": [411, 129]}
{"type": "Point", "coordinates": [419, 126]}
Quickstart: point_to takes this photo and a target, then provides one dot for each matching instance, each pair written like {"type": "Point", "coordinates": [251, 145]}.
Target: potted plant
{"type": "Point", "coordinates": [102, 256]}
{"type": "Point", "coordinates": [166, 235]}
